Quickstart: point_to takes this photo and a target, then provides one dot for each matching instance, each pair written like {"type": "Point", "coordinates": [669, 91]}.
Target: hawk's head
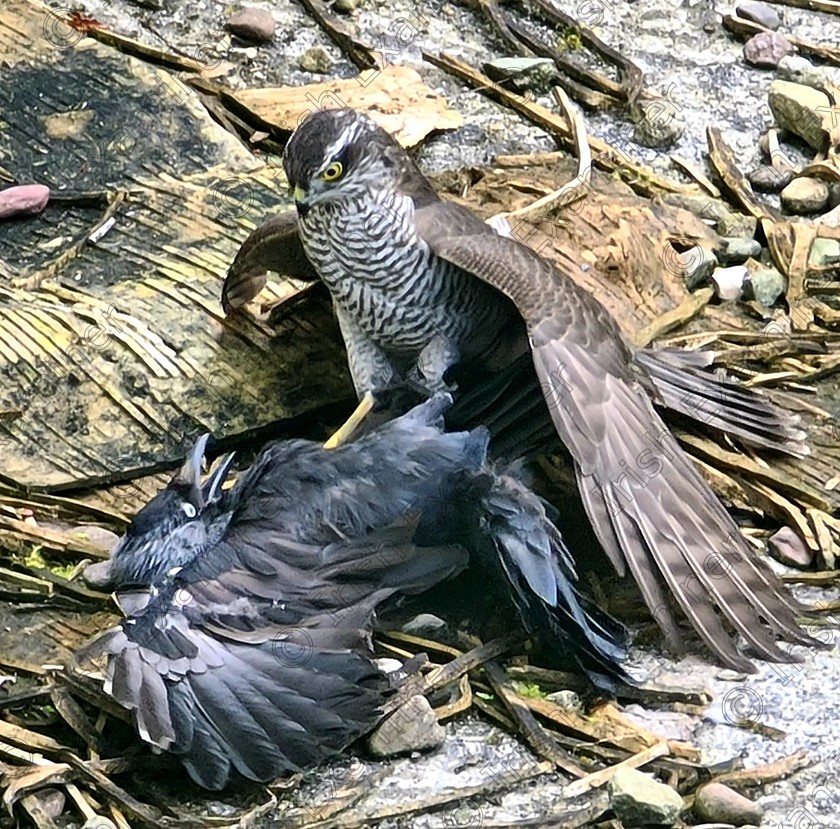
{"type": "Point", "coordinates": [340, 153]}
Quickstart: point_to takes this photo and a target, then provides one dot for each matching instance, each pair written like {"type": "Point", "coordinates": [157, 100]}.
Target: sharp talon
{"type": "Point", "coordinates": [346, 430]}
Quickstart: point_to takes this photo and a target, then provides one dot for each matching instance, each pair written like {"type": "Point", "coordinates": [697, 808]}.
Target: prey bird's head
{"type": "Point", "coordinates": [337, 154]}
{"type": "Point", "coordinates": [168, 532]}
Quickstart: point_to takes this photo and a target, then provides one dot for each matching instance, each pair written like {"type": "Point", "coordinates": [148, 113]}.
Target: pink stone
{"type": "Point", "coordinates": [23, 200]}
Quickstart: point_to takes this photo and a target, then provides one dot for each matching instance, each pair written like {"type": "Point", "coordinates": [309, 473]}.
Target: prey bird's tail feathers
{"type": "Point", "coordinates": [683, 381]}
{"type": "Point", "coordinates": [262, 708]}
{"type": "Point", "coordinates": [522, 551]}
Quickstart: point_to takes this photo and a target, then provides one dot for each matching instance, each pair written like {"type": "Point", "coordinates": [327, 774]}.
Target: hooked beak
{"type": "Point", "coordinates": [190, 472]}
{"type": "Point", "coordinates": [299, 195]}
{"type": "Point", "coordinates": [213, 486]}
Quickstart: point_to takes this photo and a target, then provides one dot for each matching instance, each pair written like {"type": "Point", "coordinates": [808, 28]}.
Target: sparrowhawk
{"type": "Point", "coordinates": [428, 293]}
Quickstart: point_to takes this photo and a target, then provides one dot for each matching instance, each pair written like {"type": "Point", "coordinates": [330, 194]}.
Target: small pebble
{"type": "Point", "coordinates": [736, 251]}
{"type": "Point", "coordinates": [824, 252]}
{"type": "Point", "coordinates": [23, 200]}
{"type": "Point", "coordinates": [639, 800]}
{"type": "Point", "coordinates": [412, 727]}
{"type": "Point", "coordinates": [767, 179]}
{"type": "Point", "coordinates": [316, 60]}
{"type": "Point", "coordinates": [729, 282]}
{"type": "Point", "coordinates": [788, 548]}
{"type": "Point", "coordinates": [697, 265]}
{"type": "Point", "coordinates": [760, 13]}
{"type": "Point", "coordinates": [766, 49]}
{"type": "Point", "coordinates": [805, 195]}
{"type": "Point", "coordinates": [254, 25]}
{"type": "Point", "coordinates": [424, 623]}
{"type": "Point", "coordinates": [345, 6]}
{"type": "Point", "coordinates": [717, 803]}
{"type": "Point", "coordinates": [800, 70]}
{"type": "Point", "coordinates": [767, 285]}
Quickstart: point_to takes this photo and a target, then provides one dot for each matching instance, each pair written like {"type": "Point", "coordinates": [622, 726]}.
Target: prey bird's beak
{"type": "Point", "coordinates": [190, 472]}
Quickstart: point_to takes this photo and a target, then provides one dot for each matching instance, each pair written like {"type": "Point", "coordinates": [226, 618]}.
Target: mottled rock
{"type": "Point", "coordinates": [805, 195]}
{"type": "Point", "coordinates": [568, 700]}
{"type": "Point", "coordinates": [796, 69]}
{"type": "Point", "coordinates": [766, 49]}
{"type": "Point", "coordinates": [696, 265]}
{"type": "Point", "coordinates": [639, 800]}
{"type": "Point", "coordinates": [788, 548]}
{"type": "Point", "coordinates": [824, 252]}
{"type": "Point", "coordinates": [316, 60]}
{"type": "Point", "coordinates": [423, 624]}
{"type": "Point", "coordinates": [525, 73]}
{"type": "Point", "coordinates": [412, 727]}
{"type": "Point", "coordinates": [657, 119]}
{"type": "Point", "coordinates": [767, 179]}
{"type": "Point", "coordinates": [767, 285]}
{"type": "Point", "coordinates": [717, 803]}
{"type": "Point", "coordinates": [760, 13]}
{"type": "Point", "coordinates": [99, 822]}
{"type": "Point", "coordinates": [254, 25]}
{"type": "Point", "coordinates": [736, 251]}
{"type": "Point", "coordinates": [804, 111]}
{"type": "Point", "coordinates": [729, 282]}
{"type": "Point", "coordinates": [24, 199]}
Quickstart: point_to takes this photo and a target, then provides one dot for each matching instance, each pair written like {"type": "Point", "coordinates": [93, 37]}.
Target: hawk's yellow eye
{"type": "Point", "coordinates": [333, 172]}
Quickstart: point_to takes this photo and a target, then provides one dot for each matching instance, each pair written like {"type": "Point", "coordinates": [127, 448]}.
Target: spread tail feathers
{"type": "Point", "coordinates": [687, 386]}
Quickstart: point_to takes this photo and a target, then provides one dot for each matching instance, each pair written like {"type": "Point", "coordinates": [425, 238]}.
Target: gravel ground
{"type": "Point", "coordinates": [688, 57]}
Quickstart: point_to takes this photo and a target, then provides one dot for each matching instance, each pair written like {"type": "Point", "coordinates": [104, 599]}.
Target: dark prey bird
{"type": "Point", "coordinates": [426, 293]}
{"type": "Point", "coordinates": [248, 648]}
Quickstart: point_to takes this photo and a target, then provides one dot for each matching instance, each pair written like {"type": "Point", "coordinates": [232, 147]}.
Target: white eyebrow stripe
{"type": "Point", "coordinates": [347, 135]}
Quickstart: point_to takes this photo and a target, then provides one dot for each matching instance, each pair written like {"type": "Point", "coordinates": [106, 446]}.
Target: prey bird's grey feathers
{"type": "Point", "coordinates": [250, 650]}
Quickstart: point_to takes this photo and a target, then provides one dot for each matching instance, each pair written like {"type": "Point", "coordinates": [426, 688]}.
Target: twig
{"type": "Point", "coordinates": [540, 741]}
{"type": "Point", "coordinates": [579, 186]}
{"type": "Point", "coordinates": [598, 778]}
{"type": "Point", "coordinates": [606, 157]}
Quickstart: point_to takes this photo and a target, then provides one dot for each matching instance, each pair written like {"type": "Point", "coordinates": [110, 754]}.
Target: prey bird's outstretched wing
{"type": "Point", "coordinates": [652, 511]}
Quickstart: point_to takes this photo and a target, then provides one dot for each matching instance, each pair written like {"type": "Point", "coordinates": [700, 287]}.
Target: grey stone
{"type": "Point", "coordinates": [316, 60]}
{"type": "Point", "coordinates": [99, 822]}
{"type": "Point", "coordinates": [254, 25]}
{"type": "Point", "coordinates": [767, 179]}
{"type": "Point", "coordinates": [422, 624]}
{"type": "Point", "coordinates": [568, 700]}
{"type": "Point", "coordinates": [658, 122]}
{"type": "Point", "coordinates": [805, 195]}
{"type": "Point", "coordinates": [760, 13]}
{"type": "Point", "coordinates": [800, 70]}
{"type": "Point", "coordinates": [830, 219]}
{"type": "Point", "coordinates": [804, 111]}
{"type": "Point", "coordinates": [412, 727]}
{"type": "Point", "coordinates": [639, 800]}
{"type": "Point", "coordinates": [767, 285]}
{"type": "Point", "coordinates": [766, 49]}
{"type": "Point", "coordinates": [788, 548]}
{"type": "Point", "coordinates": [696, 264]}
{"type": "Point", "coordinates": [717, 803]}
{"type": "Point", "coordinates": [729, 282]}
{"type": "Point", "coordinates": [736, 251]}
{"type": "Point", "coordinates": [824, 252]}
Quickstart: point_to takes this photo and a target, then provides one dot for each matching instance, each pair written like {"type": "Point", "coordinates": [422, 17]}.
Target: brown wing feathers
{"type": "Point", "coordinates": [650, 507]}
